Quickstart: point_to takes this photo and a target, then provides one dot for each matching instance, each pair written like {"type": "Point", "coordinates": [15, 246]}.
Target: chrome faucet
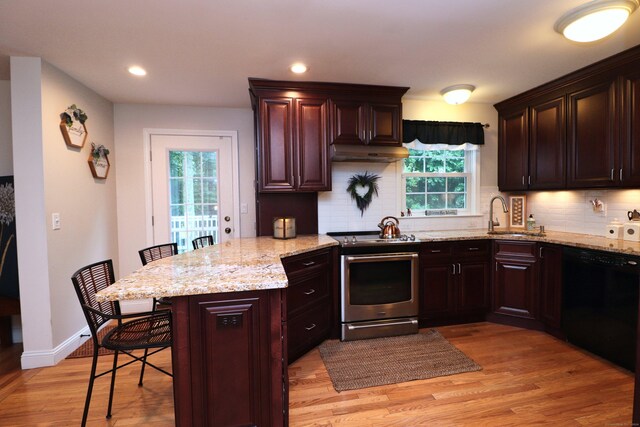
{"type": "Point", "coordinates": [495, 223]}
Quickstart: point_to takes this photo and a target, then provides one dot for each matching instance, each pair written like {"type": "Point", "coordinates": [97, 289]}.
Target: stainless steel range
{"type": "Point", "coordinates": [379, 284]}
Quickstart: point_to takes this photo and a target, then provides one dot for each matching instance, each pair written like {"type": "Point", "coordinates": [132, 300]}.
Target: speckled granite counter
{"type": "Point", "coordinates": [237, 265]}
{"type": "Point", "coordinates": [254, 263]}
{"type": "Point", "coordinates": [568, 239]}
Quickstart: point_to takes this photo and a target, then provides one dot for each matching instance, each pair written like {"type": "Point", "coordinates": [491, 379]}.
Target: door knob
{"type": "Point", "coordinates": [227, 230]}
{"type": "Point", "coordinates": [226, 218]}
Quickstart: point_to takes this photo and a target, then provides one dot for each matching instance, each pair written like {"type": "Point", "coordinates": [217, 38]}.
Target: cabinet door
{"type": "Point", "coordinates": [312, 146]}
{"type": "Point", "coordinates": [551, 286]}
{"type": "Point", "coordinates": [514, 288]}
{"type": "Point", "coordinates": [473, 289]}
{"type": "Point", "coordinates": [384, 124]}
{"type": "Point", "coordinates": [437, 292]}
{"type": "Point", "coordinates": [592, 143]}
{"type": "Point", "coordinates": [347, 122]}
{"type": "Point", "coordinates": [630, 140]}
{"type": "Point", "coordinates": [547, 145]}
{"type": "Point", "coordinates": [513, 151]}
{"type": "Point", "coordinates": [275, 153]}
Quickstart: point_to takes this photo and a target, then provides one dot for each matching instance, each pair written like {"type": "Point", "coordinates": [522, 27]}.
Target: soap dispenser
{"type": "Point", "coordinates": [531, 222]}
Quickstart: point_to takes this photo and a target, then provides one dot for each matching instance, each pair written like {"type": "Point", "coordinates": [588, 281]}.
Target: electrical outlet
{"type": "Point", "coordinates": [229, 320]}
{"type": "Point", "coordinates": [244, 208]}
{"type": "Point", "coordinates": [55, 221]}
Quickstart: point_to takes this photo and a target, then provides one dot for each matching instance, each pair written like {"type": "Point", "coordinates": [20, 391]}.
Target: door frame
{"type": "Point", "coordinates": [148, 133]}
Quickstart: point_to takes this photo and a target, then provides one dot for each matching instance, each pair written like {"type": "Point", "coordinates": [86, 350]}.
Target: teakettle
{"type": "Point", "coordinates": [389, 230]}
{"type": "Point", "coordinates": [633, 215]}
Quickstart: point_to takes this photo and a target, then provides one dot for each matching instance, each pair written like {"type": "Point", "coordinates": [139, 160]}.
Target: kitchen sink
{"type": "Point", "coordinates": [507, 233]}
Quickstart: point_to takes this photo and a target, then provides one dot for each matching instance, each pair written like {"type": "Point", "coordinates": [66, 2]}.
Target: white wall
{"type": "Point", "coordinates": [337, 212]}
{"type": "Point", "coordinates": [130, 122]}
{"type": "Point", "coordinates": [50, 177]}
{"type": "Point", "coordinates": [6, 150]}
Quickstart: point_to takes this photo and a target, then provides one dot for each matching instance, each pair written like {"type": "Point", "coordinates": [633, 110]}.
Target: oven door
{"type": "Point", "coordinates": [379, 286]}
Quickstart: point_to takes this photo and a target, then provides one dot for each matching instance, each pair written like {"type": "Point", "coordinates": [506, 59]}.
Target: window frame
{"type": "Point", "coordinates": [472, 168]}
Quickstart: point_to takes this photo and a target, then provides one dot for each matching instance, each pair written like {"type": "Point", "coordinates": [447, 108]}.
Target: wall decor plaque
{"type": "Point", "coordinates": [517, 209]}
{"type": "Point", "coordinates": [99, 161]}
{"type": "Point", "coordinates": [73, 127]}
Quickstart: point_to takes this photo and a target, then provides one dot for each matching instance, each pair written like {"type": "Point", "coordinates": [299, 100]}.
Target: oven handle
{"type": "Point", "coordinates": [378, 325]}
{"type": "Point", "coordinates": [382, 257]}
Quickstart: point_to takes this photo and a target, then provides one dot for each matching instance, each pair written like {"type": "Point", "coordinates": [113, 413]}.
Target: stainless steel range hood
{"type": "Point", "coordinates": [367, 153]}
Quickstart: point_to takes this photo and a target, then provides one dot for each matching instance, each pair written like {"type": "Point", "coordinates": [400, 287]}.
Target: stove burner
{"type": "Point", "coordinates": [370, 238]}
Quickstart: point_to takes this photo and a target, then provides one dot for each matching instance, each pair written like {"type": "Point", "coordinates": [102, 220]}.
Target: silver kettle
{"type": "Point", "coordinates": [633, 215]}
{"type": "Point", "coordinates": [389, 229]}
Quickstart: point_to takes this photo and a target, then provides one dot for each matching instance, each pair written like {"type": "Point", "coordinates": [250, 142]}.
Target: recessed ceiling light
{"type": "Point", "coordinates": [595, 20]}
{"type": "Point", "coordinates": [137, 71]}
{"type": "Point", "coordinates": [457, 94]}
{"type": "Point", "coordinates": [298, 68]}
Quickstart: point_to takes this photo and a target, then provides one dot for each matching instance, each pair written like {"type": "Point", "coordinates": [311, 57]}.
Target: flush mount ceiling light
{"type": "Point", "coordinates": [298, 68]}
{"type": "Point", "coordinates": [595, 20]}
{"type": "Point", "coordinates": [137, 71]}
{"type": "Point", "coordinates": [457, 94]}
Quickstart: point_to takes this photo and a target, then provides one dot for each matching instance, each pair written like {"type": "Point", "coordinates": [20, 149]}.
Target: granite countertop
{"type": "Point", "coordinates": [254, 263]}
{"type": "Point", "coordinates": [236, 265]}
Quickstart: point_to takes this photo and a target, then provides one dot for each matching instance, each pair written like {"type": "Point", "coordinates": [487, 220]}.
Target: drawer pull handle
{"type": "Point", "coordinates": [474, 249]}
{"type": "Point", "coordinates": [308, 328]}
{"type": "Point", "coordinates": [436, 251]}
{"type": "Point", "coordinates": [310, 291]}
{"type": "Point", "coordinates": [308, 264]}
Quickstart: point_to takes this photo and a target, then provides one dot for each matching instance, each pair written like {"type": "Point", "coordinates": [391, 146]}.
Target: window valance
{"type": "Point", "coordinates": [451, 133]}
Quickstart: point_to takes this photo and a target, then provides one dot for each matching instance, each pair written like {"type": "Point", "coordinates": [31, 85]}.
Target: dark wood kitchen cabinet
{"type": "Point", "coordinates": [309, 301]}
{"type": "Point", "coordinates": [514, 279]}
{"type": "Point", "coordinates": [532, 145]}
{"type": "Point", "coordinates": [550, 275]}
{"type": "Point", "coordinates": [360, 123]}
{"type": "Point", "coordinates": [454, 281]}
{"type": "Point", "coordinates": [596, 110]}
{"type": "Point", "coordinates": [592, 136]}
{"type": "Point", "coordinates": [293, 151]}
{"type": "Point", "coordinates": [228, 359]}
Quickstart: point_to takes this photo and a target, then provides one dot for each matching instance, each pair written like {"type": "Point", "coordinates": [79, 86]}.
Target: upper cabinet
{"type": "Point", "coordinates": [296, 122]}
{"type": "Point", "coordinates": [579, 131]}
{"type": "Point", "coordinates": [363, 123]}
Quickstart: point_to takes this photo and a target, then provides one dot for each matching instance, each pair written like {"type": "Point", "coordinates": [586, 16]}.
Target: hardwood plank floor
{"type": "Point", "coordinates": [528, 378]}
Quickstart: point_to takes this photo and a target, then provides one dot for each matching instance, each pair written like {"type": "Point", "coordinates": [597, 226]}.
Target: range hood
{"type": "Point", "coordinates": [367, 153]}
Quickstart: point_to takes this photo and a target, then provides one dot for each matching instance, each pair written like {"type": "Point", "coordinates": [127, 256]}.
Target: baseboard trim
{"type": "Point", "coordinates": [42, 358]}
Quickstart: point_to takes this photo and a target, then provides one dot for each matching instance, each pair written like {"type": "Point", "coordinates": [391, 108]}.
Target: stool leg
{"type": "Point", "coordinates": [113, 382]}
{"type": "Point", "coordinates": [144, 364]}
{"type": "Point", "coordinates": [92, 377]}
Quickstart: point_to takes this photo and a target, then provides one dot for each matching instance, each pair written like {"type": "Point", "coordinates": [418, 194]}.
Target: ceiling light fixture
{"type": "Point", "coordinates": [595, 20]}
{"type": "Point", "coordinates": [137, 71]}
{"type": "Point", "coordinates": [298, 68]}
{"type": "Point", "coordinates": [457, 94]}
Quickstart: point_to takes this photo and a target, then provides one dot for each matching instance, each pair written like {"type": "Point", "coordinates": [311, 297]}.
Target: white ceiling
{"type": "Point", "coordinates": [201, 52]}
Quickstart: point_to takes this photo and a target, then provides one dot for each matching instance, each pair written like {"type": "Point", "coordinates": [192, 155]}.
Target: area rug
{"type": "Point", "coordinates": [86, 349]}
{"type": "Point", "coordinates": [368, 363]}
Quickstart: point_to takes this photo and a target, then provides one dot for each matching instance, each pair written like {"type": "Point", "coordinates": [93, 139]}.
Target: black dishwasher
{"type": "Point", "coordinates": [600, 303]}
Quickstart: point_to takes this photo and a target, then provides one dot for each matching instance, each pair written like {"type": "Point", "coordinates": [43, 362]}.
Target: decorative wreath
{"type": "Point", "coordinates": [362, 187]}
{"type": "Point", "coordinates": [77, 114]}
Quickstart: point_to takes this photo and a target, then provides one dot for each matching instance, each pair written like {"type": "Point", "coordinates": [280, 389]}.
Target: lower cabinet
{"type": "Point", "coordinates": [454, 281]}
{"type": "Point", "coordinates": [309, 301]}
{"type": "Point", "coordinates": [550, 257]}
{"type": "Point", "coordinates": [515, 279]}
{"type": "Point", "coordinates": [228, 359]}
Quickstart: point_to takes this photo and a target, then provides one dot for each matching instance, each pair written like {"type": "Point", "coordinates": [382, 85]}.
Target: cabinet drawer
{"type": "Point", "coordinates": [515, 248]}
{"type": "Point", "coordinates": [308, 330]}
{"type": "Point", "coordinates": [435, 252]}
{"type": "Point", "coordinates": [300, 263]}
{"type": "Point", "coordinates": [307, 290]}
{"type": "Point", "coordinates": [472, 248]}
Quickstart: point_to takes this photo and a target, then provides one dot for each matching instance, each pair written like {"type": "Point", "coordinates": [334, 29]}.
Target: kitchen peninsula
{"type": "Point", "coordinates": [230, 319]}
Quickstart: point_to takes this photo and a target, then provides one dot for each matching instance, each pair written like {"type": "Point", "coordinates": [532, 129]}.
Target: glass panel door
{"type": "Point", "coordinates": [193, 196]}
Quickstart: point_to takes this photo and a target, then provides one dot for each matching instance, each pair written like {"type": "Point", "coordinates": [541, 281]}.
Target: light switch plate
{"type": "Point", "coordinates": [55, 221]}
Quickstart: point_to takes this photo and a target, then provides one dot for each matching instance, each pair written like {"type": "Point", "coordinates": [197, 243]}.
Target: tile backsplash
{"type": "Point", "coordinates": [569, 211]}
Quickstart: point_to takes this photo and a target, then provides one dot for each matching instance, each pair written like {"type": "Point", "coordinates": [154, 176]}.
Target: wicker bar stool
{"type": "Point", "coordinates": [147, 330]}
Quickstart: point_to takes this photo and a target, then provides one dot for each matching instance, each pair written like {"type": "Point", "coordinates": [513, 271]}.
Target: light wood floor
{"type": "Point", "coordinates": [528, 378]}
